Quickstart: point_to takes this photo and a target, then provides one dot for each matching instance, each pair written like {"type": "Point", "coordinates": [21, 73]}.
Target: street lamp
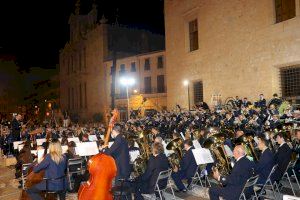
{"type": "Point", "coordinates": [127, 81]}
{"type": "Point", "coordinates": [186, 83]}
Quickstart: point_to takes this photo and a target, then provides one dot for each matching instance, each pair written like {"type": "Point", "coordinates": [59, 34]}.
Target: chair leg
{"type": "Point", "coordinates": [297, 181]}
{"type": "Point", "coordinates": [273, 189]}
{"type": "Point", "coordinates": [290, 184]}
{"type": "Point", "coordinates": [172, 191]}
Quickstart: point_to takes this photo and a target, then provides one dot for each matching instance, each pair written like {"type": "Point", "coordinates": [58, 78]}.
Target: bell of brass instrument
{"type": "Point", "coordinates": [176, 146]}
{"type": "Point", "coordinates": [247, 142]}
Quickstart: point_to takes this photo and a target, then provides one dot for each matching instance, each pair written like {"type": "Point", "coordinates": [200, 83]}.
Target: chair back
{"type": "Point", "coordinates": [249, 185]}
{"type": "Point", "coordinates": [163, 175]}
{"type": "Point", "coordinates": [25, 168]}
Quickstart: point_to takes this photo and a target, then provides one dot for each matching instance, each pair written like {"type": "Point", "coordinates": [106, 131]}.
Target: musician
{"type": "Point", "coordinates": [238, 101]}
{"type": "Point", "coordinates": [54, 165]}
{"type": "Point", "coordinates": [266, 161]}
{"type": "Point", "coordinates": [246, 103]}
{"type": "Point", "coordinates": [145, 184]}
{"type": "Point", "coordinates": [16, 127]}
{"type": "Point", "coordinates": [188, 167]}
{"type": "Point", "coordinates": [282, 157]}
{"type": "Point", "coordinates": [261, 102]}
{"type": "Point", "coordinates": [233, 183]}
{"type": "Point", "coordinates": [274, 122]}
{"type": "Point", "coordinates": [296, 150]}
{"type": "Point", "coordinates": [119, 151]}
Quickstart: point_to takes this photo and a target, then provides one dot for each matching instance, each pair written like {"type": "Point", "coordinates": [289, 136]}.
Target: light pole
{"type": "Point", "coordinates": [127, 81]}
{"type": "Point", "coordinates": [186, 83]}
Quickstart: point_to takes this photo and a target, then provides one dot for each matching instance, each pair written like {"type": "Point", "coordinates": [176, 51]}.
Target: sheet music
{"type": "Point", "coordinates": [93, 138]}
{"type": "Point", "coordinates": [289, 197]}
{"type": "Point", "coordinates": [16, 144]}
{"type": "Point", "coordinates": [133, 155]}
{"type": "Point", "coordinates": [40, 155]}
{"type": "Point", "coordinates": [34, 152]}
{"type": "Point", "coordinates": [167, 152]}
{"type": "Point", "coordinates": [20, 147]}
{"type": "Point", "coordinates": [136, 145]}
{"type": "Point", "coordinates": [196, 144]}
{"type": "Point", "coordinates": [202, 156]}
{"type": "Point", "coordinates": [39, 142]}
{"type": "Point", "coordinates": [87, 149]}
{"type": "Point", "coordinates": [74, 139]}
{"type": "Point", "coordinates": [64, 148]}
{"type": "Point", "coordinates": [228, 151]}
{"type": "Point", "coordinates": [182, 135]}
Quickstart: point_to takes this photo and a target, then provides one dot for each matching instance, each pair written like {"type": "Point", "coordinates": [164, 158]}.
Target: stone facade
{"type": "Point", "coordinates": [241, 48]}
{"type": "Point", "coordinates": [141, 97]}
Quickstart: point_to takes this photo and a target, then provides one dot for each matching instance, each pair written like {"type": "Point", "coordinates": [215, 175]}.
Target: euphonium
{"type": "Point", "coordinates": [176, 146]}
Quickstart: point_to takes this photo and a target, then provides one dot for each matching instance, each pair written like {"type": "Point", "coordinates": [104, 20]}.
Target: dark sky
{"type": "Point", "coordinates": [35, 30]}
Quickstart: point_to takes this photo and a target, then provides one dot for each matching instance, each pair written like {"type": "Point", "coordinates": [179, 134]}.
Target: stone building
{"type": "Point", "coordinates": [83, 77]}
{"type": "Point", "coordinates": [149, 91]}
{"type": "Point", "coordinates": [233, 47]}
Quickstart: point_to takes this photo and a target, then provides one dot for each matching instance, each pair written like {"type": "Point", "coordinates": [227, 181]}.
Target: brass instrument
{"type": "Point", "coordinates": [176, 146]}
{"type": "Point", "coordinates": [247, 142]}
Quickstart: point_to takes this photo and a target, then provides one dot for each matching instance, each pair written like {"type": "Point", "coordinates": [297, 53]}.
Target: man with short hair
{"type": "Point", "coordinates": [296, 149]}
{"type": "Point", "coordinates": [266, 161]}
{"type": "Point", "coordinates": [188, 167]}
{"type": "Point", "coordinates": [16, 127]}
{"type": "Point", "coordinates": [233, 183]}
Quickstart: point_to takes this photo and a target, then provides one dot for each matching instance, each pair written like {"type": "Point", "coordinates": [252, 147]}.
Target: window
{"type": "Point", "coordinates": [122, 69]}
{"type": "Point", "coordinates": [160, 62]}
{"type": "Point", "coordinates": [198, 92]}
{"type": "Point", "coordinates": [290, 81]}
{"type": "Point", "coordinates": [133, 68]}
{"type": "Point", "coordinates": [193, 35]}
{"type": "Point", "coordinates": [160, 84]}
{"type": "Point", "coordinates": [147, 64]}
{"type": "Point", "coordinates": [147, 84]}
{"type": "Point", "coordinates": [285, 9]}
{"type": "Point", "coordinates": [80, 95]}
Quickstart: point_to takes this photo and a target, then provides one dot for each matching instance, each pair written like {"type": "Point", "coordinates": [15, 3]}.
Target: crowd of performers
{"type": "Point", "coordinates": [259, 134]}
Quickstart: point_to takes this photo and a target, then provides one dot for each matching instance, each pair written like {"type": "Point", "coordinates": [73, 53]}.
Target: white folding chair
{"type": "Point", "coordinates": [197, 179]}
{"type": "Point", "coordinates": [163, 175]}
{"type": "Point", "coordinates": [287, 176]}
{"type": "Point", "coordinates": [248, 185]}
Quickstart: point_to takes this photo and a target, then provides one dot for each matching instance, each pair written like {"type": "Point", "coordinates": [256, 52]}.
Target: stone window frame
{"type": "Point", "coordinates": [297, 2]}
{"type": "Point", "coordinates": [188, 16]}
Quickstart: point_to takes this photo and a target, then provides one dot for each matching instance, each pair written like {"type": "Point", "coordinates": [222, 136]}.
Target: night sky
{"type": "Point", "coordinates": [35, 30]}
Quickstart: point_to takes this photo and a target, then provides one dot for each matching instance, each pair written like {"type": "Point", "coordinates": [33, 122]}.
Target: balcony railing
{"type": "Point", "coordinates": [142, 91]}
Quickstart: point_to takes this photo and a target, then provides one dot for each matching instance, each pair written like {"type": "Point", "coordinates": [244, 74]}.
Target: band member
{"type": "Point", "coordinates": [119, 151]}
{"type": "Point", "coordinates": [261, 102]}
{"type": "Point", "coordinates": [246, 103]}
{"type": "Point", "coordinates": [296, 149]}
{"type": "Point", "coordinates": [145, 184]}
{"type": "Point", "coordinates": [188, 167]}
{"type": "Point", "coordinates": [282, 157]}
{"type": "Point", "coordinates": [233, 183]}
{"type": "Point", "coordinates": [16, 127]}
{"type": "Point", "coordinates": [266, 161]}
{"type": "Point", "coordinates": [54, 165]}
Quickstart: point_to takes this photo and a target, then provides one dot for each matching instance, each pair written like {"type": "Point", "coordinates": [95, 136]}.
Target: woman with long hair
{"type": "Point", "coordinates": [54, 164]}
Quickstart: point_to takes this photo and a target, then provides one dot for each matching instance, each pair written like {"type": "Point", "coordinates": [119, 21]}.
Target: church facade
{"type": "Point", "coordinates": [229, 48]}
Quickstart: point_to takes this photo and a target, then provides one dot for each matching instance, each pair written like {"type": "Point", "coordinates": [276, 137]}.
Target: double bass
{"type": "Point", "coordinates": [102, 169]}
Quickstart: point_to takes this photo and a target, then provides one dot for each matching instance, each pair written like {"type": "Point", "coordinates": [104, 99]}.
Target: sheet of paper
{"type": "Point", "coordinates": [20, 147]}
{"type": "Point", "coordinates": [196, 144]}
{"type": "Point", "coordinates": [133, 155]}
{"type": "Point", "coordinates": [34, 152]}
{"type": "Point", "coordinates": [74, 139]}
{"type": "Point", "coordinates": [167, 152]}
{"type": "Point", "coordinates": [109, 144]}
{"type": "Point", "coordinates": [202, 156]}
{"type": "Point", "coordinates": [16, 144]}
{"type": "Point", "coordinates": [40, 155]}
{"type": "Point", "coordinates": [87, 149]}
{"type": "Point", "coordinates": [93, 138]}
{"type": "Point", "coordinates": [182, 135]}
{"type": "Point", "coordinates": [228, 151]}
{"type": "Point", "coordinates": [39, 142]}
{"type": "Point", "coordinates": [64, 148]}
{"type": "Point", "coordinates": [136, 145]}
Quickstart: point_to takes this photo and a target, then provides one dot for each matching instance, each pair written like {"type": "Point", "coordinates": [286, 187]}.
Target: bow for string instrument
{"type": "Point", "coordinates": [35, 178]}
{"type": "Point", "coordinates": [102, 169]}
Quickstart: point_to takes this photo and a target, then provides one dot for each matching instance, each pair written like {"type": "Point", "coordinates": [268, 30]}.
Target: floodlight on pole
{"type": "Point", "coordinates": [186, 83]}
{"type": "Point", "coordinates": [127, 81]}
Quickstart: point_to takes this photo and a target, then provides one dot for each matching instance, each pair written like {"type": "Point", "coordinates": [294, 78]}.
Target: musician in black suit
{"type": "Point", "coordinates": [16, 127]}
{"type": "Point", "coordinates": [233, 183]}
{"type": "Point", "coordinates": [119, 151]}
{"type": "Point", "coordinates": [188, 167]}
{"type": "Point", "coordinates": [296, 149]}
{"type": "Point", "coordinates": [266, 161]}
{"type": "Point", "coordinates": [145, 184]}
{"type": "Point", "coordinates": [282, 157]}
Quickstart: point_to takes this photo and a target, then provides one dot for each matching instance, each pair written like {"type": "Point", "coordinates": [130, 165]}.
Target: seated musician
{"type": "Point", "coordinates": [188, 167]}
{"type": "Point", "coordinates": [54, 165]}
{"type": "Point", "coordinates": [266, 161]}
{"type": "Point", "coordinates": [282, 157]}
{"type": "Point", "coordinates": [119, 151]}
{"type": "Point", "coordinates": [233, 183]}
{"type": "Point", "coordinates": [296, 150]}
{"type": "Point", "coordinates": [158, 162]}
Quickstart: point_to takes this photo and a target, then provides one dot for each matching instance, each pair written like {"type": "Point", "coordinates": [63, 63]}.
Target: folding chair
{"type": "Point", "coordinates": [25, 173]}
{"type": "Point", "coordinates": [61, 194]}
{"type": "Point", "coordinates": [197, 178]}
{"type": "Point", "coordinates": [248, 185]}
{"type": "Point", "coordinates": [75, 166]}
{"type": "Point", "coordinates": [286, 175]}
{"type": "Point", "coordinates": [163, 175]}
{"type": "Point", "coordinates": [268, 183]}
{"type": "Point", "coordinates": [294, 174]}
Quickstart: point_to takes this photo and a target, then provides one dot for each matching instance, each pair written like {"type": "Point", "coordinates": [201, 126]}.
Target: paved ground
{"type": "Point", "coordinates": [10, 191]}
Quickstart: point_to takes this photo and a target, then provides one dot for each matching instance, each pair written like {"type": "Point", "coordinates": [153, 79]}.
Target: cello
{"type": "Point", "coordinates": [102, 169]}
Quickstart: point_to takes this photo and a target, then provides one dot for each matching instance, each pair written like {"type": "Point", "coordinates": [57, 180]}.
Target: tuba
{"type": "Point", "coordinates": [176, 146]}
